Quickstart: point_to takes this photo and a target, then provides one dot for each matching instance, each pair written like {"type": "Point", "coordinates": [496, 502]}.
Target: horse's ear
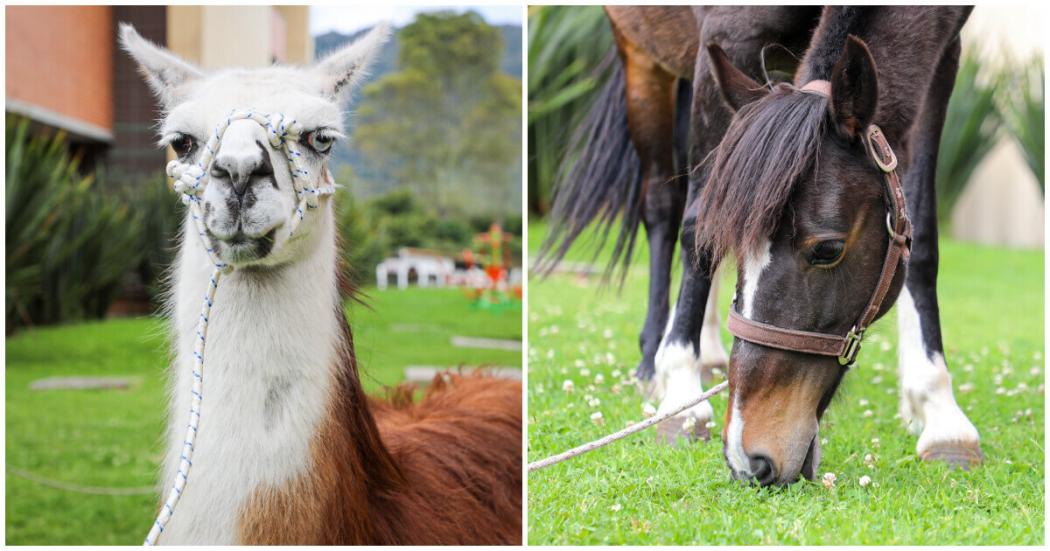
{"type": "Point", "coordinates": [854, 89]}
{"type": "Point", "coordinates": [737, 88]}
{"type": "Point", "coordinates": [344, 69]}
{"type": "Point", "coordinates": [164, 71]}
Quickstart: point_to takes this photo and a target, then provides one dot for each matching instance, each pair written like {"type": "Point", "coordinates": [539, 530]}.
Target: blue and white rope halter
{"type": "Point", "coordinates": [190, 180]}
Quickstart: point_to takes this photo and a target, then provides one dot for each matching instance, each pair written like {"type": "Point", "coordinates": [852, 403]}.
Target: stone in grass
{"type": "Point", "coordinates": [84, 383]}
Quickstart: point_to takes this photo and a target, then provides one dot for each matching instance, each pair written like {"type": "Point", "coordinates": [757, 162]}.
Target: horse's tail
{"type": "Point", "coordinates": [600, 176]}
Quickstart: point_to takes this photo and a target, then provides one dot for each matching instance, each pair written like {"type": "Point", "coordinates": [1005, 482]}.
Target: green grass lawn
{"type": "Point", "coordinates": [636, 492]}
{"type": "Point", "coordinates": [112, 438]}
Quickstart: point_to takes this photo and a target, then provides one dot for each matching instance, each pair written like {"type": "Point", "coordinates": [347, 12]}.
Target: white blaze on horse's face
{"type": "Point", "coordinates": [249, 200]}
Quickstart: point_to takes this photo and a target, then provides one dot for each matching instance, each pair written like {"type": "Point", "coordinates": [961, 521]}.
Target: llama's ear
{"type": "Point", "coordinates": [344, 69]}
{"type": "Point", "coordinates": [737, 88]}
{"type": "Point", "coordinates": [854, 89]}
{"type": "Point", "coordinates": [163, 70]}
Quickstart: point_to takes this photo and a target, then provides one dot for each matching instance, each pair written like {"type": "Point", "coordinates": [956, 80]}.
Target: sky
{"type": "Point", "coordinates": [349, 19]}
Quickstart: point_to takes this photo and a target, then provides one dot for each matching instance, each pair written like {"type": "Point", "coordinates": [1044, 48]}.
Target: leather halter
{"type": "Point", "coordinates": [845, 348]}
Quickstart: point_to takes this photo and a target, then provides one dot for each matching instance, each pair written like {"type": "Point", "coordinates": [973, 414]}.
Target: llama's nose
{"type": "Point", "coordinates": [241, 173]}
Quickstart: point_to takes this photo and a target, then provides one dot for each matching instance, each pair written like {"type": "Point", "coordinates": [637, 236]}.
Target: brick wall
{"type": "Point", "coordinates": [59, 61]}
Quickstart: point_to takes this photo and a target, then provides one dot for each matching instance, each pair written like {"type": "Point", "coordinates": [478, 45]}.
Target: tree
{"type": "Point", "coordinates": [447, 122]}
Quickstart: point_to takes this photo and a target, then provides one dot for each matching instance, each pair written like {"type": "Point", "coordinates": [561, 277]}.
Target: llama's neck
{"type": "Point", "coordinates": [269, 376]}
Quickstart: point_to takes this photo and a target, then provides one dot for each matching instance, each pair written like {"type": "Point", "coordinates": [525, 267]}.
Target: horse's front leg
{"type": "Point", "coordinates": [927, 404]}
{"type": "Point", "coordinates": [712, 353]}
{"type": "Point", "coordinates": [679, 367]}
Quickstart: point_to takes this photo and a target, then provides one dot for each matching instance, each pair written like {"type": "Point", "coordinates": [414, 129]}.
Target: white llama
{"type": "Point", "coordinates": [289, 448]}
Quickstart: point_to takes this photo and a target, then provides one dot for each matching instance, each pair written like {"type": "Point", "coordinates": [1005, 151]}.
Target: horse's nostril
{"type": "Point", "coordinates": [762, 466]}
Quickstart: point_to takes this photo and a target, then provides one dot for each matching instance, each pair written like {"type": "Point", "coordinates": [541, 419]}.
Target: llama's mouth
{"type": "Point", "coordinates": [241, 248]}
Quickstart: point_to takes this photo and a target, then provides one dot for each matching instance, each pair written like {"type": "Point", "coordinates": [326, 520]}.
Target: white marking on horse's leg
{"type": "Point", "coordinates": [660, 376]}
{"type": "Point", "coordinates": [712, 353]}
{"type": "Point", "coordinates": [735, 453]}
{"type": "Point", "coordinates": [753, 268]}
{"type": "Point", "coordinates": [679, 370]}
{"type": "Point", "coordinates": [926, 402]}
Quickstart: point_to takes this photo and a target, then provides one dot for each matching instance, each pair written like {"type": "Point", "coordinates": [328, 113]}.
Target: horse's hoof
{"type": "Point", "coordinates": [682, 429]}
{"type": "Point", "coordinates": [962, 455]}
{"type": "Point", "coordinates": [646, 381]}
{"type": "Point", "coordinates": [647, 389]}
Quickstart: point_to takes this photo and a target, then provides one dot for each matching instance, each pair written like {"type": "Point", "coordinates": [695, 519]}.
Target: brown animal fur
{"type": "Point", "coordinates": [446, 470]}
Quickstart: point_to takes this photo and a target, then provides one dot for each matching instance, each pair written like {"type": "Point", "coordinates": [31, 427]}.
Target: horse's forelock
{"type": "Point", "coordinates": [770, 145]}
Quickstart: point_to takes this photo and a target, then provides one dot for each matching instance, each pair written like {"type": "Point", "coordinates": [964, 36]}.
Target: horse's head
{"type": "Point", "coordinates": [794, 193]}
{"type": "Point", "coordinates": [249, 199]}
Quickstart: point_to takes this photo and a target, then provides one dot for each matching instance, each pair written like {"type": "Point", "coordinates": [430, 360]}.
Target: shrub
{"type": "Point", "coordinates": [68, 244]}
{"type": "Point", "coordinates": [970, 129]}
{"type": "Point", "coordinates": [1024, 113]}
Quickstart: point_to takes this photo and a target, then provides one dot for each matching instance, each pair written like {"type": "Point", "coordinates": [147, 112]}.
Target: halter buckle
{"type": "Point", "coordinates": [881, 151]}
{"type": "Point", "coordinates": [852, 349]}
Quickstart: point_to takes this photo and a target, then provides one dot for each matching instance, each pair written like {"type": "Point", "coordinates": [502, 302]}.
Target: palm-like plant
{"type": "Point", "coordinates": [68, 243]}
{"type": "Point", "coordinates": [567, 45]}
{"type": "Point", "coordinates": [1024, 113]}
{"type": "Point", "coordinates": [970, 129]}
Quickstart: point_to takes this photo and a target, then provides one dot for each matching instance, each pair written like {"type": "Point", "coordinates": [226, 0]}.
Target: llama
{"type": "Point", "coordinates": [290, 450]}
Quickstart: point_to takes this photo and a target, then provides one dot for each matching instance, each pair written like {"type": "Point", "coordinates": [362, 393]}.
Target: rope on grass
{"type": "Point", "coordinates": [637, 427]}
{"type": "Point", "coordinates": [190, 180]}
{"type": "Point", "coordinates": [77, 488]}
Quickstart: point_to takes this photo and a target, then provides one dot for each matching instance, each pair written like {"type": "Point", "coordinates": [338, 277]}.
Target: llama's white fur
{"type": "Point", "coordinates": [273, 332]}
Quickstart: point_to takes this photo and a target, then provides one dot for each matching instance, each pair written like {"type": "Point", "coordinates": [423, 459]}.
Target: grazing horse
{"type": "Point", "coordinates": [290, 449]}
{"type": "Point", "coordinates": [809, 236]}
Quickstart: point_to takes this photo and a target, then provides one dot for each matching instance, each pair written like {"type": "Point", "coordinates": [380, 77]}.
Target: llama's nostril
{"type": "Point", "coordinates": [762, 466]}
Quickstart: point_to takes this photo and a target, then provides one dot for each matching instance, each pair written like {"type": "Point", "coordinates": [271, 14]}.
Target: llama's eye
{"type": "Point", "coordinates": [183, 145]}
{"type": "Point", "coordinates": [319, 140]}
{"type": "Point", "coordinates": [827, 252]}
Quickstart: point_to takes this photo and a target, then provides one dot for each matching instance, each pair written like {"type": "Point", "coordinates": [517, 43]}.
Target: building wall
{"type": "Point", "coordinates": [300, 44]}
{"type": "Point", "coordinates": [135, 111]}
{"type": "Point", "coordinates": [217, 37]}
{"type": "Point", "coordinates": [59, 67]}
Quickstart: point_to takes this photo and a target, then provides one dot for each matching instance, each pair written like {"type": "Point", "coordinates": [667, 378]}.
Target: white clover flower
{"type": "Point", "coordinates": [864, 480]}
{"type": "Point", "coordinates": [568, 386]}
{"type": "Point", "coordinates": [599, 379]}
{"type": "Point", "coordinates": [828, 480]}
{"type": "Point", "coordinates": [597, 418]}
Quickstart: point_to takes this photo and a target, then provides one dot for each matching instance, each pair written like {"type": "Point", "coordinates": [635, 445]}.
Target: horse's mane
{"type": "Point", "coordinates": [770, 145]}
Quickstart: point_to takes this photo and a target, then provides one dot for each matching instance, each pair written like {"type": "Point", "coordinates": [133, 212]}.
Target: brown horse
{"type": "Point", "coordinates": [806, 270]}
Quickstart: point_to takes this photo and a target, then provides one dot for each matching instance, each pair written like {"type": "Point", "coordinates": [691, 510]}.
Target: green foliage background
{"type": "Point", "coordinates": [447, 123]}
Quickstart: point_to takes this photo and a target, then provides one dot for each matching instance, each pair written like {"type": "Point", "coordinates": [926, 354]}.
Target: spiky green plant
{"type": "Point", "coordinates": [1024, 113]}
{"type": "Point", "coordinates": [68, 243]}
{"type": "Point", "coordinates": [566, 47]}
{"type": "Point", "coordinates": [970, 130]}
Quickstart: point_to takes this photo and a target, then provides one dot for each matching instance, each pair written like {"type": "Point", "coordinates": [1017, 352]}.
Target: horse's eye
{"type": "Point", "coordinates": [183, 144]}
{"type": "Point", "coordinates": [826, 253]}
{"type": "Point", "coordinates": [319, 140]}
